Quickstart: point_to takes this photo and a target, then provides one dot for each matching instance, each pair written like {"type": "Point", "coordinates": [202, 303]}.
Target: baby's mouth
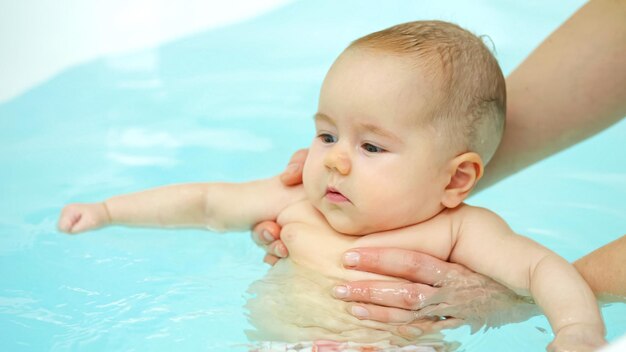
{"type": "Point", "coordinates": [334, 196]}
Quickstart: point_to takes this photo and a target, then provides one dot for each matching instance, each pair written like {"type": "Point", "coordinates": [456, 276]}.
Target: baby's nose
{"type": "Point", "coordinates": [338, 160]}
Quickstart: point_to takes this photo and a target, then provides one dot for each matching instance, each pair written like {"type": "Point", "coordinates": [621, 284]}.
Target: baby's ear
{"type": "Point", "coordinates": [465, 171]}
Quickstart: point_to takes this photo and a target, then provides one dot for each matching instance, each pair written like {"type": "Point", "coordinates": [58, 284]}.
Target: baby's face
{"type": "Point", "coordinates": [372, 165]}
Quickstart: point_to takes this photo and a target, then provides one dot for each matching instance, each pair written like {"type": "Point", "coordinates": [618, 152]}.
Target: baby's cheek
{"type": "Point", "coordinates": [311, 182]}
{"type": "Point", "coordinates": [307, 174]}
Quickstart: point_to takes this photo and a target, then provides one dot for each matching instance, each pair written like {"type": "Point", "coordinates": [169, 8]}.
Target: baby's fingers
{"type": "Point", "coordinates": [68, 219]}
{"type": "Point", "coordinates": [80, 217]}
{"type": "Point", "coordinates": [84, 223]}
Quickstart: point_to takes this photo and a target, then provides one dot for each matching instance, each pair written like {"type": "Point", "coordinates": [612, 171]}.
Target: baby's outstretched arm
{"type": "Point", "coordinates": [487, 245]}
{"type": "Point", "coordinates": [217, 206]}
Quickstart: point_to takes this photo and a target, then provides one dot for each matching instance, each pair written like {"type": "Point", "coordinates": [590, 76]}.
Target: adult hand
{"type": "Point", "coordinates": [267, 233]}
{"type": "Point", "coordinates": [436, 289]}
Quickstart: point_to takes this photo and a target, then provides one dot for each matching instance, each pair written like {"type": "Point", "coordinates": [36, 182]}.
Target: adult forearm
{"type": "Point", "coordinates": [605, 269]}
{"type": "Point", "coordinates": [571, 87]}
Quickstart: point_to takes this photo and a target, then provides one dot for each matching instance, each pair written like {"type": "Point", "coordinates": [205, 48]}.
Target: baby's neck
{"type": "Point", "coordinates": [383, 227]}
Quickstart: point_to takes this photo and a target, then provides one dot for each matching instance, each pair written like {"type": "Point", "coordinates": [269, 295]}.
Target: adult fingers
{"type": "Point", "coordinates": [428, 325]}
{"type": "Point", "coordinates": [277, 249]}
{"type": "Point", "coordinates": [267, 235]}
{"type": "Point", "coordinates": [448, 323]}
{"type": "Point", "coordinates": [270, 259]}
{"type": "Point", "coordinates": [265, 232]}
{"type": "Point", "coordinates": [293, 173]}
{"type": "Point", "coordinates": [382, 314]}
{"type": "Point", "coordinates": [410, 265]}
{"type": "Point", "coordinates": [392, 315]}
{"type": "Point", "coordinates": [387, 293]}
{"type": "Point", "coordinates": [440, 310]}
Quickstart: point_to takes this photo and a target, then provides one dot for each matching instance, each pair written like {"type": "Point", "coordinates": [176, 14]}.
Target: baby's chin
{"type": "Point", "coordinates": [344, 224]}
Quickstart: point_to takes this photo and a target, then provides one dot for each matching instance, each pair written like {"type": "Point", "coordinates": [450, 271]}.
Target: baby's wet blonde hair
{"type": "Point", "coordinates": [469, 102]}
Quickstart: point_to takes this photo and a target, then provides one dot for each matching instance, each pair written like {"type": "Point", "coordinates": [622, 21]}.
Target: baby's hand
{"type": "Point", "coordinates": [79, 217]}
{"type": "Point", "coordinates": [578, 338]}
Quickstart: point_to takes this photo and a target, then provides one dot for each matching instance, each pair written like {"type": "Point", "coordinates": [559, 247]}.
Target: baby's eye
{"type": "Point", "coordinates": [370, 148]}
{"type": "Point", "coordinates": [327, 138]}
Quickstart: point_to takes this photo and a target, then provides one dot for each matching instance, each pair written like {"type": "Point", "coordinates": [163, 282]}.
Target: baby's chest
{"type": "Point", "coordinates": [311, 241]}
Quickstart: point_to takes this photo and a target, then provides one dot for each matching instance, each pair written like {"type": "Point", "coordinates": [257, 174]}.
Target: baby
{"type": "Point", "coordinates": [407, 119]}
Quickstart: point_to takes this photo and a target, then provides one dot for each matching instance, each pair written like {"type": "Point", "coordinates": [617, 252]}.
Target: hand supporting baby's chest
{"type": "Point", "coordinates": [311, 242]}
{"type": "Point", "coordinates": [314, 244]}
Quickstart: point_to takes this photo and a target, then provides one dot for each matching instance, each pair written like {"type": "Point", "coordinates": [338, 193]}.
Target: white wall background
{"type": "Point", "coordinates": [40, 38]}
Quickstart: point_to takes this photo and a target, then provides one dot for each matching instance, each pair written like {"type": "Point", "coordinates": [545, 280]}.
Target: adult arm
{"type": "Point", "coordinates": [605, 270]}
{"type": "Point", "coordinates": [569, 88]}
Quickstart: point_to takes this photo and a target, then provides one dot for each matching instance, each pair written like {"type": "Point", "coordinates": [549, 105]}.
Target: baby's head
{"type": "Point", "coordinates": [407, 118]}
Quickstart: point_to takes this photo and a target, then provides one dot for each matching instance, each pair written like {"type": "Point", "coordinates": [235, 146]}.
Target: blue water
{"type": "Point", "coordinates": [232, 104]}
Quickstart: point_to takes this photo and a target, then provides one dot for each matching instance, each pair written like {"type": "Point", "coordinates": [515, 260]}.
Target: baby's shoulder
{"type": "Point", "coordinates": [466, 212]}
{"type": "Point", "coordinates": [466, 218]}
{"type": "Point", "coordinates": [433, 236]}
{"type": "Point", "coordinates": [471, 221]}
